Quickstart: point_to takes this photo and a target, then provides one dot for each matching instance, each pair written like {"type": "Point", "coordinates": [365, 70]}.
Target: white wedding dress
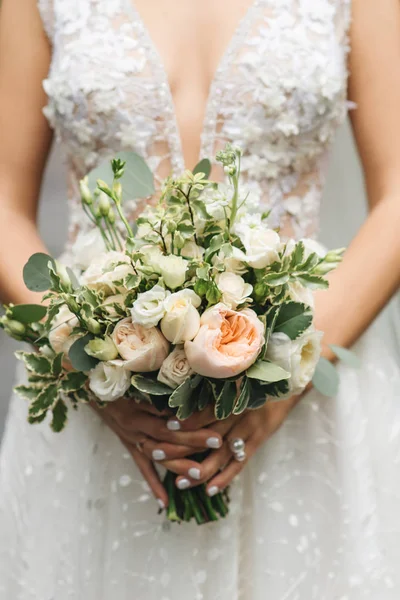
{"type": "Point", "coordinates": [315, 515]}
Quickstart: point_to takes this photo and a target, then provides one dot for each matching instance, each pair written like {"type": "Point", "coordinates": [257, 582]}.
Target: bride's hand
{"type": "Point", "coordinates": [254, 427]}
{"type": "Point", "coordinates": [153, 436]}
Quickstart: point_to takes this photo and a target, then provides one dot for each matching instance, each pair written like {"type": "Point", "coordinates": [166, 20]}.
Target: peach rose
{"type": "Point", "coordinates": [143, 349]}
{"type": "Point", "coordinates": [227, 343]}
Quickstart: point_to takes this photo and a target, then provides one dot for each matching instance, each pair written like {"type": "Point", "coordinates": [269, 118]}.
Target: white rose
{"type": "Point", "coordinates": [109, 380]}
{"type": "Point", "coordinates": [300, 293]}
{"type": "Point", "coordinates": [234, 289]}
{"type": "Point", "coordinates": [173, 270]}
{"type": "Point", "coordinates": [299, 357]}
{"type": "Point", "coordinates": [233, 263]}
{"type": "Point", "coordinates": [182, 320]}
{"type": "Point", "coordinates": [261, 243]}
{"type": "Point", "coordinates": [87, 247]}
{"type": "Point", "coordinates": [143, 349]}
{"type": "Point", "coordinates": [105, 270]}
{"type": "Point", "coordinates": [148, 309]}
{"type": "Point", "coordinates": [175, 368]}
{"type": "Point", "coordinates": [192, 250]}
{"type": "Point", "coordinates": [60, 337]}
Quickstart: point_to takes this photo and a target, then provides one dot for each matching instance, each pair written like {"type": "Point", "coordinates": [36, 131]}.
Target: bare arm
{"type": "Point", "coordinates": [370, 272]}
{"type": "Point", "coordinates": [25, 141]}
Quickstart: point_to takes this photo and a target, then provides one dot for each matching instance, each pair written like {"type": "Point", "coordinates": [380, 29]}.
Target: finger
{"type": "Point", "coordinates": [203, 471]}
{"type": "Point", "coordinates": [159, 451]}
{"type": "Point", "coordinates": [198, 420]}
{"type": "Point", "coordinates": [157, 429]}
{"type": "Point", "coordinates": [150, 474]}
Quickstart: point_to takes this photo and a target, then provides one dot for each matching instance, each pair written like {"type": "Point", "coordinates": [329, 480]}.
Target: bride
{"type": "Point", "coordinates": [315, 509]}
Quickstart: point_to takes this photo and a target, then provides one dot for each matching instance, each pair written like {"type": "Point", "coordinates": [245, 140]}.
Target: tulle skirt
{"type": "Point", "coordinates": [315, 514]}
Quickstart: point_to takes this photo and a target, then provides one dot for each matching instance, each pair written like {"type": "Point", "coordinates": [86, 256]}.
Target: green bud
{"type": "Point", "coordinates": [104, 205]}
{"type": "Point", "coordinates": [93, 326]}
{"type": "Point", "coordinates": [63, 275]}
{"type": "Point", "coordinates": [15, 327]}
{"type": "Point", "coordinates": [111, 217]}
{"type": "Point", "coordinates": [103, 186]}
{"type": "Point", "coordinates": [171, 227]}
{"type": "Point", "coordinates": [102, 349]}
{"type": "Point", "coordinates": [85, 192]}
{"type": "Point", "coordinates": [117, 189]}
{"type": "Point", "coordinates": [179, 241]}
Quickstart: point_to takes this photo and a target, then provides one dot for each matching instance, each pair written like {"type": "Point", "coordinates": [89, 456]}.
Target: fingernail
{"type": "Point", "coordinates": [183, 484]}
{"type": "Point", "coordinates": [213, 490]}
{"type": "Point", "coordinates": [159, 455]}
{"type": "Point", "coordinates": [213, 442]}
{"type": "Point", "coordinates": [161, 503]}
{"type": "Point", "coordinates": [173, 425]}
{"type": "Point", "coordinates": [194, 473]}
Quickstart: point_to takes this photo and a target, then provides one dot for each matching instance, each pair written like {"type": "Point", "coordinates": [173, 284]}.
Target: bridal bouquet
{"type": "Point", "coordinates": [197, 302]}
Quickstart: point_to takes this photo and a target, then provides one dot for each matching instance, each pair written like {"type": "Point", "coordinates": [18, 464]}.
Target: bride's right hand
{"type": "Point", "coordinates": [151, 436]}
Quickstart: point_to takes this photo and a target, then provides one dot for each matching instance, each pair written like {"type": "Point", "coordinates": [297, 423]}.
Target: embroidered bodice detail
{"type": "Point", "coordinates": [280, 92]}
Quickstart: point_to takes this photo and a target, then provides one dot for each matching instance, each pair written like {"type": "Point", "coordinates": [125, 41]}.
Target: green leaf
{"type": "Point", "coordinates": [314, 282]}
{"type": "Point", "coordinates": [297, 255]}
{"type": "Point", "coordinates": [74, 280]}
{"type": "Point", "coordinates": [346, 356]}
{"type": "Point", "coordinates": [277, 389]}
{"type": "Point", "coordinates": [35, 363]}
{"type": "Point", "coordinates": [293, 319]}
{"type": "Point", "coordinates": [243, 398]}
{"type": "Point", "coordinates": [200, 208]}
{"type": "Point", "coordinates": [186, 229]}
{"type": "Point", "coordinates": [204, 395]}
{"type": "Point", "coordinates": [44, 401]}
{"type": "Point", "coordinates": [326, 378]}
{"type": "Point", "coordinates": [204, 166]}
{"type": "Point", "coordinates": [59, 419]}
{"type": "Point", "coordinates": [226, 400]}
{"type": "Point", "coordinates": [52, 312]}
{"type": "Point", "coordinates": [137, 181]}
{"type": "Point", "coordinates": [28, 392]}
{"type": "Point", "coordinates": [73, 381]}
{"type": "Point", "coordinates": [267, 371]}
{"type": "Point", "coordinates": [81, 395]}
{"type": "Point", "coordinates": [215, 244]}
{"type": "Point", "coordinates": [181, 398]}
{"type": "Point", "coordinates": [274, 279]}
{"type": "Point", "coordinates": [146, 385]}
{"type": "Point", "coordinates": [28, 313]}
{"type": "Point", "coordinates": [38, 419]}
{"type": "Point", "coordinates": [258, 395]}
{"type": "Point", "coordinates": [56, 365]}
{"type": "Point", "coordinates": [78, 357]}
{"type": "Point", "coordinates": [36, 272]}
{"type": "Point", "coordinates": [311, 261]}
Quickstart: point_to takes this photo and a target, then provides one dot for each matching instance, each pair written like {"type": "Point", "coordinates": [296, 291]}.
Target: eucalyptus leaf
{"type": "Point", "coordinates": [78, 357]}
{"type": "Point", "coordinates": [28, 313]}
{"type": "Point", "coordinates": [36, 272]}
{"type": "Point", "coordinates": [326, 378]}
{"type": "Point", "coordinates": [293, 319]}
{"type": "Point", "coordinates": [267, 371]}
{"type": "Point", "coordinates": [346, 356]}
{"type": "Point", "coordinates": [137, 181]}
{"type": "Point", "coordinates": [204, 166]}
{"type": "Point", "coordinates": [146, 385]}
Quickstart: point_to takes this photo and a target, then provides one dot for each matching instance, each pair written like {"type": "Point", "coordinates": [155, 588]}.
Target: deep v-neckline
{"type": "Point", "coordinates": [207, 133]}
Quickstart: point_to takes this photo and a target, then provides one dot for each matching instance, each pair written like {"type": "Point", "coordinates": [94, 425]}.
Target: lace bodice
{"type": "Point", "coordinates": [279, 92]}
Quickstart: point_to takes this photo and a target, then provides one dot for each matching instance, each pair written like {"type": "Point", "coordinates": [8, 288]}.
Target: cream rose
{"type": "Point", "coordinates": [227, 344]}
{"type": "Point", "coordinates": [109, 380]}
{"type": "Point", "coordinates": [87, 247]}
{"type": "Point", "coordinates": [105, 270]}
{"type": "Point", "coordinates": [261, 243]}
{"type": "Point", "coordinates": [143, 349]}
{"type": "Point", "coordinates": [234, 289]}
{"type": "Point", "coordinates": [60, 337]}
{"type": "Point", "coordinates": [182, 320]}
{"type": "Point", "coordinates": [175, 368]}
{"type": "Point", "coordinates": [173, 270]}
{"type": "Point", "coordinates": [148, 309]}
{"type": "Point", "coordinates": [299, 357]}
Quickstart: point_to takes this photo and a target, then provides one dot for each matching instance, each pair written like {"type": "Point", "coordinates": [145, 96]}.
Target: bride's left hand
{"type": "Point", "coordinates": [254, 427]}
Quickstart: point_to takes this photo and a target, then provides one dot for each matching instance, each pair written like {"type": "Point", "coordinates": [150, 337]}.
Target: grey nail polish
{"type": "Point", "coordinates": [183, 484]}
{"type": "Point", "coordinates": [194, 473]}
{"type": "Point", "coordinates": [173, 425]}
{"type": "Point", "coordinates": [213, 490]}
{"type": "Point", "coordinates": [160, 503]}
{"type": "Point", "coordinates": [159, 455]}
{"type": "Point", "coordinates": [213, 442]}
